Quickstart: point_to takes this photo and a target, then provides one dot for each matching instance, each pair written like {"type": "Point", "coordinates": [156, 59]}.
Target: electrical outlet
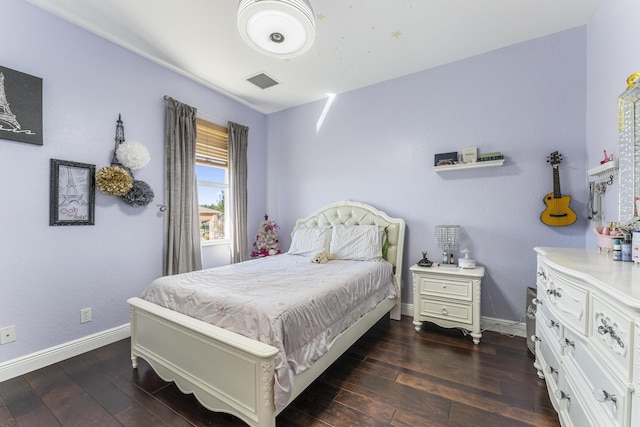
{"type": "Point", "coordinates": [85, 315]}
{"type": "Point", "coordinates": [7, 334]}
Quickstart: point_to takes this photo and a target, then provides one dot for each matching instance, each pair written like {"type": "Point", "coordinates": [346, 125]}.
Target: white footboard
{"type": "Point", "coordinates": [225, 371]}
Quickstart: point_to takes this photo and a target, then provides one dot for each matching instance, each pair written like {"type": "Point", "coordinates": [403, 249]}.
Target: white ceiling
{"type": "Point", "coordinates": [358, 42]}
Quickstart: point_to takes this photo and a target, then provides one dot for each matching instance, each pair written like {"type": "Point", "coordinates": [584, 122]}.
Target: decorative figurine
{"type": "Point", "coordinates": [606, 158]}
{"type": "Point", "coordinates": [424, 262]}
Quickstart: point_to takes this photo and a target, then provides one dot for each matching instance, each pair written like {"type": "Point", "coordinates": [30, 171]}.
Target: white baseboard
{"type": "Point", "coordinates": [406, 309]}
{"type": "Point", "coordinates": [31, 362]}
{"type": "Point", "coordinates": [506, 327]}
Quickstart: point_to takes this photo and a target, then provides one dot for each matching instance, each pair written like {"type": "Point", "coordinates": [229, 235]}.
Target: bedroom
{"type": "Point", "coordinates": [89, 81]}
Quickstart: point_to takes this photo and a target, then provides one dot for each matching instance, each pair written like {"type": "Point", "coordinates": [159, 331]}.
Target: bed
{"type": "Point", "coordinates": [230, 372]}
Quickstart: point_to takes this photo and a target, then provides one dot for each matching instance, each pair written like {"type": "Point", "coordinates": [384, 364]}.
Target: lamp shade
{"type": "Point", "coordinates": [278, 28]}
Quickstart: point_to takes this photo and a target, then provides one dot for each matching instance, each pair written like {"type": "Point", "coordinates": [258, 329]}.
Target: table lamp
{"type": "Point", "coordinates": [448, 240]}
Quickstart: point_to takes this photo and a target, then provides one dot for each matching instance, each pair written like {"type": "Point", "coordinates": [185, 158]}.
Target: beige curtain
{"type": "Point", "coordinates": [238, 136]}
{"type": "Point", "coordinates": [182, 226]}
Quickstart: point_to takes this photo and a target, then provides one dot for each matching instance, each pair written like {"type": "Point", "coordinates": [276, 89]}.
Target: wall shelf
{"type": "Point", "coordinates": [604, 172]}
{"type": "Point", "coordinates": [489, 163]}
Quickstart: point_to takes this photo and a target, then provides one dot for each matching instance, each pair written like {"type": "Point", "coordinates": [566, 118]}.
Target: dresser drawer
{"type": "Point", "coordinates": [548, 354]}
{"type": "Point", "coordinates": [611, 333]}
{"type": "Point", "coordinates": [545, 319]}
{"type": "Point", "coordinates": [551, 334]}
{"type": "Point", "coordinates": [606, 394]}
{"type": "Point", "coordinates": [568, 301]}
{"type": "Point", "coordinates": [542, 273]}
{"type": "Point", "coordinates": [446, 310]}
{"type": "Point", "coordinates": [445, 287]}
{"type": "Point", "coordinates": [574, 412]}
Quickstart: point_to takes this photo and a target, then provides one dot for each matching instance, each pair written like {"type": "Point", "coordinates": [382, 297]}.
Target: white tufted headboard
{"type": "Point", "coordinates": [355, 213]}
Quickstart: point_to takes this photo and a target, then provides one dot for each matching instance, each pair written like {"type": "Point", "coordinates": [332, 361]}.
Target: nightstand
{"type": "Point", "coordinates": [447, 296]}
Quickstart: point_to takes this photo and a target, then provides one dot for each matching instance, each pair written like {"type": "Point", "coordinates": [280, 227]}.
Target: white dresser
{"type": "Point", "coordinates": [588, 336]}
{"type": "Point", "coordinates": [448, 296]}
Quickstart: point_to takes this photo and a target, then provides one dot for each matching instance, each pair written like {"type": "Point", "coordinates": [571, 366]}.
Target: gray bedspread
{"type": "Point", "coordinates": [284, 300]}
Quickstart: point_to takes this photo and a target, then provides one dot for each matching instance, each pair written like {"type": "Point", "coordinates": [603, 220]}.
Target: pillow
{"type": "Point", "coordinates": [357, 243]}
{"type": "Point", "coordinates": [308, 241]}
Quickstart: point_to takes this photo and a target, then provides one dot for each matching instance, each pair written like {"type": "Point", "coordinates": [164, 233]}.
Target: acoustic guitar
{"type": "Point", "coordinates": [558, 213]}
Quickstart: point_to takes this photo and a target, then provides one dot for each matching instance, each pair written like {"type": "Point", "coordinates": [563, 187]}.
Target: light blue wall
{"type": "Point", "coordinates": [47, 274]}
{"type": "Point", "coordinates": [377, 146]}
{"type": "Point", "coordinates": [612, 56]}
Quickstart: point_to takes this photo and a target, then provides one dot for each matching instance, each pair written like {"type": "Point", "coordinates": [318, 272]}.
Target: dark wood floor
{"type": "Point", "coordinates": [394, 376]}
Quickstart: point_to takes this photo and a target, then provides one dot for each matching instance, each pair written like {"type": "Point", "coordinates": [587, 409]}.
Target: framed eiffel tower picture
{"type": "Point", "coordinates": [20, 107]}
{"type": "Point", "coordinates": [73, 193]}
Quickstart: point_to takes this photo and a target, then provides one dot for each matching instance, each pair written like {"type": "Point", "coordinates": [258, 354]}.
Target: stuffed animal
{"type": "Point", "coordinates": [322, 257]}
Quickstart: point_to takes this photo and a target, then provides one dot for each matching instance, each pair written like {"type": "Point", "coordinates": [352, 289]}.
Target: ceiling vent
{"type": "Point", "coordinates": [263, 81]}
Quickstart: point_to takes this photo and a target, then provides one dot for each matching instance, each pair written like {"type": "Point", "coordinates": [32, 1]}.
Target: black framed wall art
{"type": "Point", "coordinates": [72, 193]}
{"type": "Point", "coordinates": [20, 107]}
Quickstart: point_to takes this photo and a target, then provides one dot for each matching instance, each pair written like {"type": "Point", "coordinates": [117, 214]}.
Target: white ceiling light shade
{"type": "Point", "coordinates": [278, 28]}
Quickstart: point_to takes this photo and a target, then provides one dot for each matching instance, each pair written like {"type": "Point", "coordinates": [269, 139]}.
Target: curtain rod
{"type": "Point", "coordinates": [224, 121]}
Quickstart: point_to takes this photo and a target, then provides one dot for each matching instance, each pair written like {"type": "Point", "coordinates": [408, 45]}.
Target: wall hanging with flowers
{"type": "Point", "coordinates": [117, 179]}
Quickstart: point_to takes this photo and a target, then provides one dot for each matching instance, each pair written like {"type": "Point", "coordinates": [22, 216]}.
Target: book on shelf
{"type": "Point", "coordinates": [485, 157]}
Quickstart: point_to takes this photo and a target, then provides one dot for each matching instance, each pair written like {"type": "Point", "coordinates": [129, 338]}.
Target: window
{"type": "Point", "coordinates": [212, 174]}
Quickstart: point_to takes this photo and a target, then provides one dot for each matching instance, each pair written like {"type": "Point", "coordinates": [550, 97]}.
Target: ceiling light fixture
{"type": "Point", "coordinates": [278, 28]}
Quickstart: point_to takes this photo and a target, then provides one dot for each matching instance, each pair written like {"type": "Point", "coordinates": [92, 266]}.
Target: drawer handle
{"type": "Point", "coordinates": [603, 396]}
{"type": "Point", "coordinates": [444, 311]}
{"type": "Point", "coordinates": [553, 324]}
{"type": "Point", "coordinates": [541, 274]}
{"type": "Point", "coordinates": [607, 328]}
{"type": "Point", "coordinates": [535, 338]}
{"type": "Point", "coordinates": [536, 301]}
{"type": "Point", "coordinates": [553, 370]}
{"type": "Point", "coordinates": [567, 343]}
{"type": "Point", "coordinates": [554, 292]}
